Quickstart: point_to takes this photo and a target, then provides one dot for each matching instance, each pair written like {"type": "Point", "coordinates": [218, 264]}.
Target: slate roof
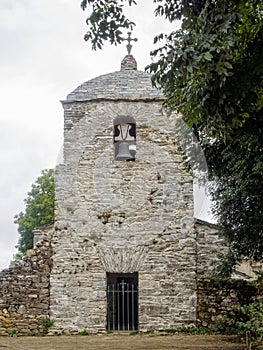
{"type": "Point", "coordinates": [124, 84]}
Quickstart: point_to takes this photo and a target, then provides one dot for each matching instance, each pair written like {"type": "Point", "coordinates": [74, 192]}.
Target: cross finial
{"type": "Point", "coordinates": [129, 39]}
{"type": "Point", "coordinates": [122, 284]}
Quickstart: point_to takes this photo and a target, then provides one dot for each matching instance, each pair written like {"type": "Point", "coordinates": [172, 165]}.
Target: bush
{"type": "Point", "coordinates": [247, 320]}
{"type": "Point", "coordinates": [253, 327]}
{"type": "Point", "coordinates": [12, 333]}
{"type": "Point", "coordinates": [46, 323]}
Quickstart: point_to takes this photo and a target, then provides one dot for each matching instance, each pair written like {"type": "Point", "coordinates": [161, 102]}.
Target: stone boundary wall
{"type": "Point", "coordinates": [217, 300]}
{"type": "Point", "coordinates": [25, 292]}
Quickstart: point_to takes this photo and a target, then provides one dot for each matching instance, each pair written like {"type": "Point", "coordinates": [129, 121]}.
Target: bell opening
{"type": "Point", "coordinates": [124, 138]}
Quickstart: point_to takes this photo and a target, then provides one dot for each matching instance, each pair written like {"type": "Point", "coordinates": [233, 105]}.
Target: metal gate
{"type": "Point", "coordinates": [122, 302]}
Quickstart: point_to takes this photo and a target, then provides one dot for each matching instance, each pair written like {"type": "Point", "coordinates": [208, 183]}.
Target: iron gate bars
{"type": "Point", "coordinates": [122, 301]}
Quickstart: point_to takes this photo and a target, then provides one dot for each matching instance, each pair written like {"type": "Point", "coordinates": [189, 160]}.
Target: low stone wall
{"type": "Point", "coordinates": [24, 292]}
{"type": "Point", "coordinates": [217, 300]}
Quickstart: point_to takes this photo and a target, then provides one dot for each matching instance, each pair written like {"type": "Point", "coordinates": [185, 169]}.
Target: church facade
{"type": "Point", "coordinates": [127, 251]}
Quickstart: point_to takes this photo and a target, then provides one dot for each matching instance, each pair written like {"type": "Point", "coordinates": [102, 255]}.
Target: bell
{"type": "Point", "coordinates": [124, 152]}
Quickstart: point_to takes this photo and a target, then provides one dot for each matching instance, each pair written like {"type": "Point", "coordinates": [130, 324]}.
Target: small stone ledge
{"type": "Point", "coordinates": [102, 99]}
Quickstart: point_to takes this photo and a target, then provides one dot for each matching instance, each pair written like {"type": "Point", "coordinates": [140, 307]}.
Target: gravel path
{"type": "Point", "coordinates": [123, 342]}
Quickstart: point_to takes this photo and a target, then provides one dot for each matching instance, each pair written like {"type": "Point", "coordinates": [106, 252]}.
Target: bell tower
{"type": "Point", "coordinates": [124, 247]}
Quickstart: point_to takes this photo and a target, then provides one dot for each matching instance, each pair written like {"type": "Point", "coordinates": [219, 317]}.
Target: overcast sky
{"type": "Point", "coordinates": [43, 58]}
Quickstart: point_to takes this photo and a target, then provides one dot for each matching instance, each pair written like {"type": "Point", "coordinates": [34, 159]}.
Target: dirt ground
{"type": "Point", "coordinates": [127, 342]}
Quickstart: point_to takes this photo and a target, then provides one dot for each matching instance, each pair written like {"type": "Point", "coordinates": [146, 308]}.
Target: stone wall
{"type": "Point", "coordinates": [24, 292]}
{"type": "Point", "coordinates": [210, 247]}
{"type": "Point", "coordinates": [104, 206]}
{"type": "Point", "coordinates": [217, 300]}
{"type": "Point", "coordinates": [25, 295]}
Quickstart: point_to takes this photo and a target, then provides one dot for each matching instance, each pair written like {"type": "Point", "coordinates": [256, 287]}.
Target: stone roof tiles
{"type": "Point", "coordinates": [124, 84]}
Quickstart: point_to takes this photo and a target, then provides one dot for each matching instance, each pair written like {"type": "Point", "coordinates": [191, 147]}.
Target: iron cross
{"type": "Point", "coordinates": [129, 39]}
{"type": "Point", "coordinates": [122, 284]}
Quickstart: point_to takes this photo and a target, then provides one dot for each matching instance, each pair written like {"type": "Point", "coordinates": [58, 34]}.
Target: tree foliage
{"type": "Point", "coordinates": [211, 72]}
{"type": "Point", "coordinates": [39, 209]}
{"type": "Point", "coordinates": [106, 21]}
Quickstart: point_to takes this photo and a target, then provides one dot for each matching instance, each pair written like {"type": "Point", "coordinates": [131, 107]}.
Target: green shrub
{"type": "Point", "coordinates": [193, 330]}
{"type": "Point", "coordinates": [12, 332]}
{"type": "Point", "coordinates": [170, 330]}
{"type": "Point", "coordinates": [247, 319]}
{"type": "Point", "coordinates": [47, 322]}
{"type": "Point", "coordinates": [83, 332]}
{"type": "Point", "coordinates": [253, 327]}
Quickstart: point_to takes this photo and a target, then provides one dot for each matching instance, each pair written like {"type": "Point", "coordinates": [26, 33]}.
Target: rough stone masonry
{"type": "Point", "coordinates": [117, 217]}
{"type": "Point", "coordinates": [123, 217]}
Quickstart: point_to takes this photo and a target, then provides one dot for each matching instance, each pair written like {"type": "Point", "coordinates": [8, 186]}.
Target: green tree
{"type": "Point", "coordinates": [211, 72]}
{"type": "Point", "coordinates": [39, 209]}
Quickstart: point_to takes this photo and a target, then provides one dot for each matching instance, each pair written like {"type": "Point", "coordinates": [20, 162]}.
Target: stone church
{"type": "Point", "coordinates": [126, 249]}
{"type": "Point", "coordinates": [125, 252]}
